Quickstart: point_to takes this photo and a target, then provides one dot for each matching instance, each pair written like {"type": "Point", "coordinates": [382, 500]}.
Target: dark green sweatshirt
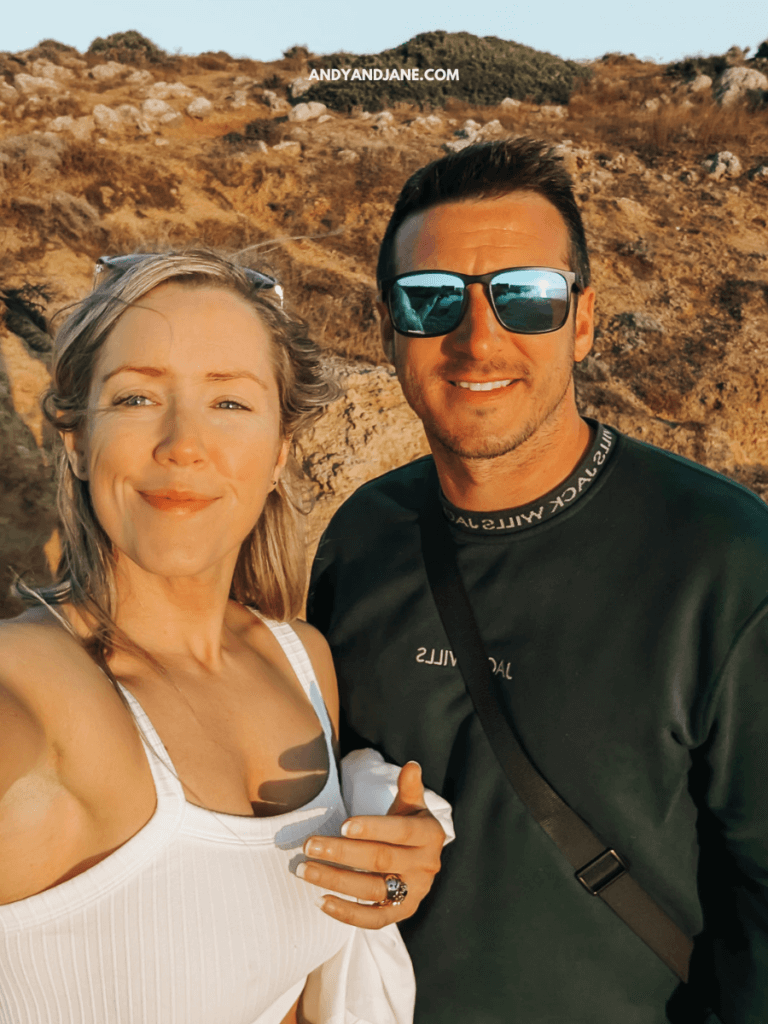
{"type": "Point", "coordinates": [626, 619]}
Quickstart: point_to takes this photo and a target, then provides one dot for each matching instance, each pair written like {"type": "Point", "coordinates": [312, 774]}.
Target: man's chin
{"type": "Point", "coordinates": [479, 446]}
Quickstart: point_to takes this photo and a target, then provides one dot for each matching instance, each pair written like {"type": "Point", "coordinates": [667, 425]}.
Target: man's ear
{"type": "Point", "coordinates": [584, 328]}
{"type": "Point", "coordinates": [78, 463]}
{"type": "Point", "coordinates": [387, 330]}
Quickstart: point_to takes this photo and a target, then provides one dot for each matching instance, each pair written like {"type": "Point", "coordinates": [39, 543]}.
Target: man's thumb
{"type": "Point", "coordinates": [410, 790]}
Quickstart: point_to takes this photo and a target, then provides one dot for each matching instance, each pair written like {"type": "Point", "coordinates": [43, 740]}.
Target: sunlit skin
{"type": "Point", "coordinates": [504, 447]}
{"type": "Point", "coordinates": [181, 446]}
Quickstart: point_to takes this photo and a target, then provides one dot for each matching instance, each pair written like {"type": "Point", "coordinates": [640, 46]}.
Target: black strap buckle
{"type": "Point", "coordinates": [601, 872]}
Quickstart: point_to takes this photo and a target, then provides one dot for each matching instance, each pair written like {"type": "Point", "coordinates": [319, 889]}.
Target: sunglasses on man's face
{"type": "Point", "coordinates": [526, 300]}
{"type": "Point", "coordinates": [123, 263]}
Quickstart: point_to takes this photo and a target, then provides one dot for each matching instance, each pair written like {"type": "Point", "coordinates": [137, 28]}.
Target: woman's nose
{"type": "Point", "coordinates": [181, 443]}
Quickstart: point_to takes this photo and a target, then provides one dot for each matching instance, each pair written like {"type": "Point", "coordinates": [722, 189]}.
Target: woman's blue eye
{"type": "Point", "coordinates": [132, 400]}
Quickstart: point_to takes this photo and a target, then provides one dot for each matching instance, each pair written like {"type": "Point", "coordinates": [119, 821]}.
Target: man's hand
{"type": "Point", "coordinates": [406, 842]}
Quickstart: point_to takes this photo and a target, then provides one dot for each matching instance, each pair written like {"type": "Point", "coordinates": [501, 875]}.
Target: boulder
{"type": "Point", "coordinates": [47, 69]}
{"type": "Point", "coordinates": [700, 84]}
{"type": "Point", "coordinates": [759, 173]}
{"type": "Point", "coordinates": [306, 111]}
{"type": "Point", "coordinates": [290, 147]}
{"type": "Point", "coordinates": [154, 109]}
{"type": "Point", "coordinates": [34, 85]}
{"type": "Point", "coordinates": [106, 119]}
{"type": "Point", "coordinates": [109, 72]}
{"type": "Point", "coordinates": [299, 86]}
{"type": "Point", "coordinates": [552, 110]}
{"type": "Point", "coordinates": [170, 90]}
{"type": "Point", "coordinates": [722, 165]}
{"type": "Point", "coordinates": [275, 102]}
{"type": "Point", "coordinates": [60, 124]}
{"type": "Point", "coordinates": [8, 94]}
{"type": "Point", "coordinates": [733, 85]}
{"type": "Point", "coordinates": [140, 78]}
{"type": "Point", "coordinates": [509, 104]}
{"type": "Point", "coordinates": [347, 156]}
{"type": "Point", "coordinates": [200, 107]}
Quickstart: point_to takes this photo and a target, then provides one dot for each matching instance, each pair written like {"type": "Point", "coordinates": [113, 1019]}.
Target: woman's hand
{"type": "Point", "coordinates": [406, 842]}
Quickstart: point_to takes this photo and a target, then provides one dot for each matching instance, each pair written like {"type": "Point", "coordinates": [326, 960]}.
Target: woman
{"type": "Point", "coordinates": [162, 767]}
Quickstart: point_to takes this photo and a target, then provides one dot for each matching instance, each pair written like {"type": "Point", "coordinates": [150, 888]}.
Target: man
{"type": "Point", "coordinates": [622, 597]}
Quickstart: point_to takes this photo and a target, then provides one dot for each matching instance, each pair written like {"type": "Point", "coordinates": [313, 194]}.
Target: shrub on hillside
{"type": "Point", "coordinates": [127, 48]}
{"type": "Point", "coordinates": [489, 70]}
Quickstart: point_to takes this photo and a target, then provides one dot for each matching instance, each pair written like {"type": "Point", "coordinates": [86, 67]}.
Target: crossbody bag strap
{"type": "Point", "coordinates": [599, 868]}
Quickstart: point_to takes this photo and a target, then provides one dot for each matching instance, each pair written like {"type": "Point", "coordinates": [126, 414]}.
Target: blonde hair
{"type": "Point", "coordinates": [270, 573]}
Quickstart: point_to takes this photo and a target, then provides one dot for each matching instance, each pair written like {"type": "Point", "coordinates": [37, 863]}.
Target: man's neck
{"type": "Point", "coordinates": [533, 468]}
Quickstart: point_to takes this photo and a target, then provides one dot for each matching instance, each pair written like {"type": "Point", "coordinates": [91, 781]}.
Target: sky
{"type": "Point", "coordinates": [661, 30]}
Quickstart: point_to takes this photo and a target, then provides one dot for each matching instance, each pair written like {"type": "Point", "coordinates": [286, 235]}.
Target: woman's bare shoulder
{"type": "Point", "coordinates": [32, 646]}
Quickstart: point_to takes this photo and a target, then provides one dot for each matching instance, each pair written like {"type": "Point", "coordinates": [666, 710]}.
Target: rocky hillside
{"type": "Point", "coordinates": [125, 148]}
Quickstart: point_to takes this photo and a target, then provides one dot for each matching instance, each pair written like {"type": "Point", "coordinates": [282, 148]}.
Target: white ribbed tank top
{"type": "Point", "coordinates": [197, 919]}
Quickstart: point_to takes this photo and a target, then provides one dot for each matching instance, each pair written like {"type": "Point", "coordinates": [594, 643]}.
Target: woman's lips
{"type": "Point", "coordinates": [176, 501]}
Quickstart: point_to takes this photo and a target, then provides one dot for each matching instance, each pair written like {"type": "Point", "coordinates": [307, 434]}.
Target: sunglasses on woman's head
{"type": "Point", "coordinates": [525, 300]}
{"type": "Point", "coordinates": [123, 263]}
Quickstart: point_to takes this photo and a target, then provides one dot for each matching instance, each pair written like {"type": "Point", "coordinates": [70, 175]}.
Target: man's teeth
{"type": "Point", "coordinates": [489, 385]}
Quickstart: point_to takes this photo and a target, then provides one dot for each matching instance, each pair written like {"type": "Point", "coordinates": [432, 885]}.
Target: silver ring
{"type": "Point", "coordinates": [397, 890]}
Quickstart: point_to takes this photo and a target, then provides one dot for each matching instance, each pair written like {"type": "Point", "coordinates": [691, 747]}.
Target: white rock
{"type": "Point", "coordinates": [83, 128]}
{"type": "Point", "coordinates": [64, 123]}
{"type": "Point", "coordinates": [347, 156]}
{"type": "Point", "coordinates": [200, 107]}
{"type": "Point", "coordinates": [242, 80]}
{"type": "Point", "coordinates": [722, 165]}
{"type": "Point", "coordinates": [552, 110]}
{"type": "Point", "coordinates": [509, 104]}
{"type": "Point", "coordinates": [734, 84]}
{"type": "Point", "coordinates": [153, 109]}
{"type": "Point", "coordinates": [128, 113]}
{"type": "Point", "coordinates": [240, 99]}
{"type": "Point", "coordinates": [289, 147]}
{"type": "Point", "coordinates": [8, 94]}
{"type": "Point", "coordinates": [700, 83]}
{"type": "Point", "coordinates": [172, 117]}
{"type": "Point", "coordinates": [106, 119]}
{"type": "Point", "coordinates": [652, 104]}
{"type": "Point", "coordinates": [456, 145]}
{"type": "Point", "coordinates": [306, 111]}
{"type": "Point", "coordinates": [469, 129]}
{"type": "Point", "coordinates": [261, 146]}
{"type": "Point", "coordinates": [170, 90]}
{"type": "Point", "coordinates": [140, 78]}
{"type": "Point", "coordinates": [275, 102]}
{"type": "Point", "coordinates": [759, 173]}
{"type": "Point", "coordinates": [161, 142]}
{"type": "Point", "coordinates": [47, 69]}
{"type": "Point", "coordinates": [324, 117]}
{"type": "Point", "coordinates": [385, 119]}
{"type": "Point", "coordinates": [491, 130]}
{"type": "Point", "coordinates": [109, 72]}
{"type": "Point", "coordinates": [31, 85]}
{"type": "Point", "coordinates": [300, 85]}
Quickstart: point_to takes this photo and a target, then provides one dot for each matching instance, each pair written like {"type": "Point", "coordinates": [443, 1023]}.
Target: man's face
{"type": "Point", "coordinates": [532, 374]}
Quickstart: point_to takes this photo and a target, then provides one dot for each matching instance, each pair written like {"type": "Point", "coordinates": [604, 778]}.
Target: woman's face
{"type": "Point", "coordinates": [182, 439]}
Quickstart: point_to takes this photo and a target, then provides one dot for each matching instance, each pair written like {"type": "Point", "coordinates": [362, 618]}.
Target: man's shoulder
{"type": "Point", "coordinates": [681, 479]}
{"type": "Point", "coordinates": [394, 496]}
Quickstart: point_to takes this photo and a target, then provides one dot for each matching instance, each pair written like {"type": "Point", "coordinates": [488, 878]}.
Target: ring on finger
{"type": "Point", "coordinates": [397, 890]}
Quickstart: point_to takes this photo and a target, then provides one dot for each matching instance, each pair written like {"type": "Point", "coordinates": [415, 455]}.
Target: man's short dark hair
{"type": "Point", "coordinates": [489, 170]}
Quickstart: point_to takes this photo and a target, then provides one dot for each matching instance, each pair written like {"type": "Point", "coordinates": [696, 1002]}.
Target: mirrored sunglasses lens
{"type": "Point", "coordinates": [530, 301]}
{"type": "Point", "coordinates": [426, 303]}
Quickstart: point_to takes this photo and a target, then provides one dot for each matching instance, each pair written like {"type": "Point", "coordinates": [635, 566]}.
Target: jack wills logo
{"type": "Point", "coordinates": [444, 656]}
{"type": "Point", "coordinates": [556, 501]}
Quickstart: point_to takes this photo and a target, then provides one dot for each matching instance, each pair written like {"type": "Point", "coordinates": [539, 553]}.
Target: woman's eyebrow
{"type": "Point", "coordinates": [161, 371]}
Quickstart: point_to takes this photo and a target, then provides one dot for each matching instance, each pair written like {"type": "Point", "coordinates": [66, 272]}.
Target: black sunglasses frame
{"type": "Point", "coordinates": [485, 279]}
{"type": "Point", "coordinates": [125, 262]}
